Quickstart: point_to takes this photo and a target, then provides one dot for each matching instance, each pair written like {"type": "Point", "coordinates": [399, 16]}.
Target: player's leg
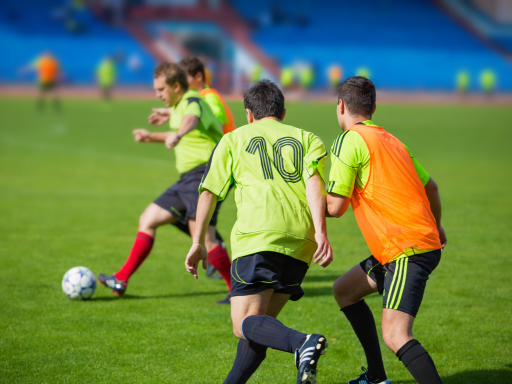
{"type": "Point", "coordinates": [152, 217]}
{"type": "Point", "coordinates": [405, 285]}
{"type": "Point", "coordinates": [254, 309]}
{"type": "Point", "coordinates": [56, 99]}
{"type": "Point", "coordinates": [349, 291]}
{"type": "Point", "coordinates": [41, 96]}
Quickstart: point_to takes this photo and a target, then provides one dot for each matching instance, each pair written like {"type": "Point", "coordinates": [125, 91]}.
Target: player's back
{"type": "Point", "coordinates": [271, 163]}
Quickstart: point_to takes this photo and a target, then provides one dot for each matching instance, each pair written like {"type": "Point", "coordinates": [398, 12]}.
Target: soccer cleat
{"type": "Point", "coordinates": [306, 358]}
{"type": "Point", "coordinates": [110, 281]}
{"type": "Point", "coordinates": [226, 300]}
{"type": "Point", "coordinates": [363, 379]}
{"type": "Point", "coordinates": [210, 270]}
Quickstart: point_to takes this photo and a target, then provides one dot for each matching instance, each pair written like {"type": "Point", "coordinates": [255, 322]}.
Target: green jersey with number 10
{"type": "Point", "coordinates": [269, 163]}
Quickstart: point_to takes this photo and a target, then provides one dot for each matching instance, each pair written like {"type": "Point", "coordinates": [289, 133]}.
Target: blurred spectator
{"type": "Point", "coordinates": [106, 77]}
{"type": "Point", "coordinates": [462, 82]}
{"type": "Point", "coordinates": [286, 77]}
{"type": "Point", "coordinates": [363, 71]}
{"type": "Point", "coordinates": [306, 77]}
{"type": "Point", "coordinates": [48, 72]}
{"type": "Point", "coordinates": [335, 74]}
{"type": "Point", "coordinates": [256, 73]}
{"type": "Point", "coordinates": [488, 81]}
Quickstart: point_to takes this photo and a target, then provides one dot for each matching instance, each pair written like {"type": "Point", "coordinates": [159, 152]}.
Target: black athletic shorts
{"type": "Point", "coordinates": [47, 85]}
{"type": "Point", "coordinates": [403, 280]}
{"type": "Point", "coordinates": [268, 270]}
{"type": "Point", "coordinates": [181, 198]}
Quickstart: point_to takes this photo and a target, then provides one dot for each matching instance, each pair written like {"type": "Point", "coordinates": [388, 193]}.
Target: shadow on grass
{"type": "Point", "coordinates": [320, 291]}
{"type": "Point", "coordinates": [167, 296]}
{"type": "Point", "coordinates": [473, 377]}
{"type": "Point", "coordinates": [487, 376]}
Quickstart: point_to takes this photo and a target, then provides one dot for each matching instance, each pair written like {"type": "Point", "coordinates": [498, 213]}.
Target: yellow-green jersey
{"type": "Point", "coordinates": [196, 146]}
{"type": "Point", "coordinates": [269, 163]}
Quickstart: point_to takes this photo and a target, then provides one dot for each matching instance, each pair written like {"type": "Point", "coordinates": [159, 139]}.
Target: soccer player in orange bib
{"type": "Point", "coordinates": [47, 68]}
{"type": "Point", "coordinates": [398, 209]}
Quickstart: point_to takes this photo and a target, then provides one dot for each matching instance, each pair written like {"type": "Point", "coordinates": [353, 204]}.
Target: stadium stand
{"type": "Point", "coordinates": [79, 41]}
{"type": "Point", "coordinates": [404, 44]}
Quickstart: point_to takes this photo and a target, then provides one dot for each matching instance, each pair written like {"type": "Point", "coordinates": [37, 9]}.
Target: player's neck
{"type": "Point", "coordinates": [179, 96]}
{"type": "Point", "coordinates": [268, 118]}
{"type": "Point", "coordinates": [353, 120]}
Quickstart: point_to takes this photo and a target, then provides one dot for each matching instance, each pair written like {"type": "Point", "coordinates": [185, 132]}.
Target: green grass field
{"type": "Point", "coordinates": [72, 187]}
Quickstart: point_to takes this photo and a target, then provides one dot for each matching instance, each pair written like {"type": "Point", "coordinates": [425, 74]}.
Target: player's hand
{"type": "Point", "coordinates": [442, 237]}
{"type": "Point", "coordinates": [141, 135]}
{"type": "Point", "coordinates": [323, 253]}
{"type": "Point", "coordinates": [159, 116]}
{"type": "Point", "coordinates": [197, 253]}
{"type": "Point", "coordinates": [172, 140]}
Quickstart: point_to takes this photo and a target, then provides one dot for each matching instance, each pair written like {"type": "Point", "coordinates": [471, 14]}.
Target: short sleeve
{"type": "Point", "coordinates": [314, 158]}
{"type": "Point", "coordinates": [193, 107]}
{"type": "Point", "coordinates": [347, 158]}
{"type": "Point", "coordinates": [422, 174]}
{"type": "Point", "coordinates": [216, 106]}
{"type": "Point", "coordinates": [218, 175]}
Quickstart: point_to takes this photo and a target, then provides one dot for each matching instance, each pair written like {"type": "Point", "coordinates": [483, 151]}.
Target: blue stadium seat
{"type": "Point", "coordinates": [405, 44]}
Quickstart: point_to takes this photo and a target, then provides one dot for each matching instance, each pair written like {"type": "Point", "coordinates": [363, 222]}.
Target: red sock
{"type": "Point", "coordinates": [218, 257]}
{"type": "Point", "coordinates": [141, 248]}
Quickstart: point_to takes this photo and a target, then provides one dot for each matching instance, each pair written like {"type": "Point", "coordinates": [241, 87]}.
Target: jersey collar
{"type": "Point", "coordinates": [366, 122]}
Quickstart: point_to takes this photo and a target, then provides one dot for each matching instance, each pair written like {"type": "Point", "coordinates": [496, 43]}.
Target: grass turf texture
{"type": "Point", "coordinates": [73, 185]}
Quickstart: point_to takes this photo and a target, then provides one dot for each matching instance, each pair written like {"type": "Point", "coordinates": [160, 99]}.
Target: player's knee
{"type": "Point", "coordinates": [341, 291]}
{"type": "Point", "coordinates": [237, 331]}
{"type": "Point", "coordinates": [393, 338]}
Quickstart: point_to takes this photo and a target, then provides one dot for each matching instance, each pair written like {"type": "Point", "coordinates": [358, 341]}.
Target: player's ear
{"type": "Point", "coordinates": [374, 108]}
{"type": "Point", "coordinates": [249, 115]}
{"type": "Point", "coordinates": [284, 114]}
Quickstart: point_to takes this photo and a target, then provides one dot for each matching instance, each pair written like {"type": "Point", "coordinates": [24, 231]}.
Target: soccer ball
{"type": "Point", "coordinates": [79, 283]}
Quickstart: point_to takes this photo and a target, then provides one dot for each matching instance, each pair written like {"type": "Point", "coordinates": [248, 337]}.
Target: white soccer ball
{"type": "Point", "coordinates": [79, 283]}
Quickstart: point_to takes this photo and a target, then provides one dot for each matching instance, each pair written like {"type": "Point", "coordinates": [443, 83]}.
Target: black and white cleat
{"type": "Point", "coordinates": [306, 358]}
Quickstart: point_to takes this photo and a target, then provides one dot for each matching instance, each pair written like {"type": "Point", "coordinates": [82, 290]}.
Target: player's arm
{"type": "Point", "coordinates": [434, 199]}
{"type": "Point", "coordinates": [346, 160]}
{"type": "Point", "coordinates": [432, 192]}
{"type": "Point", "coordinates": [205, 208]}
{"type": "Point", "coordinates": [159, 116]}
{"type": "Point", "coordinates": [188, 124]}
{"type": "Point", "coordinates": [143, 135]}
{"type": "Point", "coordinates": [315, 195]}
{"type": "Point", "coordinates": [337, 205]}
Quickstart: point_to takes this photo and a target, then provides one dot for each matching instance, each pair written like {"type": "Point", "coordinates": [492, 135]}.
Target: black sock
{"type": "Point", "coordinates": [249, 356]}
{"type": "Point", "coordinates": [270, 332]}
{"type": "Point", "coordinates": [417, 360]}
{"type": "Point", "coordinates": [363, 323]}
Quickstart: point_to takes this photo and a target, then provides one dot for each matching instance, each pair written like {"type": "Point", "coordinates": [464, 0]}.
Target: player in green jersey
{"type": "Point", "coordinates": [194, 133]}
{"type": "Point", "coordinates": [196, 77]}
{"type": "Point", "coordinates": [277, 172]}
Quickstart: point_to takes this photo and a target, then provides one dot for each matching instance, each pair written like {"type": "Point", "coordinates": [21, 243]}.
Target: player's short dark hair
{"type": "Point", "coordinates": [264, 99]}
{"type": "Point", "coordinates": [193, 66]}
{"type": "Point", "coordinates": [173, 74]}
{"type": "Point", "coordinates": [358, 94]}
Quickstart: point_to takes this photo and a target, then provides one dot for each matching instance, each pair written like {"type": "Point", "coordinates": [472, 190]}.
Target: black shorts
{"type": "Point", "coordinates": [268, 270]}
{"type": "Point", "coordinates": [48, 85]}
{"type": "Point", "coordinates": [403, 280]}
{"type": "Point", "coordinates": [181, 198]}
